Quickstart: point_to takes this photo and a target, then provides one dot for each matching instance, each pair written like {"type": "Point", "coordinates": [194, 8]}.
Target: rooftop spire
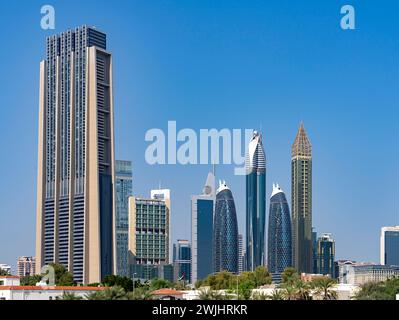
{"type": "Point", "coordinates": [302, 146]}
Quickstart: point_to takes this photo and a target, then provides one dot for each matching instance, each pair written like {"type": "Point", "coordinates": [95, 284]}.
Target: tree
{"type": "Point", "coordinates": [276, 295]}
{"type": "Point", "coordinates": [262, 276]}
{"type": "Point", "coordinates": [386, 290]}
{"type": "Point", "coordinates": [208, 294]}
{"type": "Point", "coordinates": [259, 296]}
{"type": "Point", "coordinates": [70, 296]}
{"type": "Point", "coordinates": [114, 293]}
{"type": "Point", "coordinates": [289, 291]}
{"type": "Point", "coordinates": [141, 293]}
{"type": "Point", "coordinates": [290, 276]}
{"type": "Point", "coordinates": [62, 276]}
{"type": "Point", "coordinates": [159, 284]}
{"type": "Point", "coordinates": [4, 272]}
{"type": "Point", "coordinates": [114, 280]}
{"type": "Point", "coordinates": [323, 287]}
{"type": "Point", "coordinates": [245, 289]}
{"type": "Point", "coordinates": [95, 295]}
{"type": "Point", "coordinates": [302, 290]}
{"type": "Point", "coordinates": [30, 280]}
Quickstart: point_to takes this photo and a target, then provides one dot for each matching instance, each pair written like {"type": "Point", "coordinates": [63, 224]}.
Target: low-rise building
{"type": "Point", "coordinates": [9, 281]}
{"type": "Point", "coordinates": [43, 292]}
{"type": "Point", "coordinates": [5, 267]}
{"type": "Point", "coordinates": [358, 273]}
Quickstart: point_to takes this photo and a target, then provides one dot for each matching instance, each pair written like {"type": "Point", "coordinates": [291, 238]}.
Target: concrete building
{"type": "Point", "coordinates": [149, 235]}
{"type": "Point", "coordinates": [26, 266]}
{"type": "Point", "coordinates": [75, 185]}
{"type": "Point", "coordinates": [301, 202]}
{"type": "Point", "coordinates": [43, 292]}
{"type": "Point", "coordinates": [5, 267]}
{"type": "Point", "coordinates": [355, 273]}
{"type": "Point", "coordinates": [9, 280]}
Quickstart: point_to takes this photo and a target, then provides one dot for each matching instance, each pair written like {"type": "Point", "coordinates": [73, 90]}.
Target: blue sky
{"type": "Point", "coordinates": [224, 64]}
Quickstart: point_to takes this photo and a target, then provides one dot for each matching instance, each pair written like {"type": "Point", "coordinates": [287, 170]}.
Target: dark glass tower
{"type": "Point", "coordinates": [225, 232]}
{"type": "Point", "coordinates": [123, 187]}
{"type": "Point", "coordinates": [255, 203]}
{"type": "Point", "coordinates": [279, 235]}
{"type": "Point", "coordinates": [301, 193]}
{"type": "Point", "coordinates": [326, 255]}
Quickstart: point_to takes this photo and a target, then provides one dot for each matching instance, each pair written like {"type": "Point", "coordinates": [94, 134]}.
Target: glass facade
{"type": "Point", "coordinates": [326, 255]}
{"type": "Point", "coordinates": [204, 237]}
{"type": "Point", "coordinates": [279, 233]}
{"type": "Point", "coordinates": [123, 181]}
{"type": "Point", "coordinates": [182, 259]}
{"type": "Point", "coordinates": [391, 247]}
{"type": "Point", "coordinates": [225, 235]}
{"type": "Point", "coordinates": [255, 204]}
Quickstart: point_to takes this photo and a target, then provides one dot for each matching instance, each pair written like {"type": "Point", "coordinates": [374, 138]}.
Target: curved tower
{"type": "Point", "coordinates": [279, 253]}
{"type": "Point", "coordinates": [225, 232]}
{"type": "Point", "coordinates": [255, 202]}
{"type": "Point", "coordinates": [301, 193]}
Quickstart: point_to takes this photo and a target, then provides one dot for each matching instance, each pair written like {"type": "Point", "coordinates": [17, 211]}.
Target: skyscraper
{"type": "Point", "coordinates": [279, 233]}
{"type": "Point", "coordinates": [326, 255]}
{"type": "Point", "coordinates": [241, 254]}
{"type": "Point", "coordinates": [148, 235]}
{"type": "Point", "coordinates": [301, 197]}
{"type": "Point", "coordinates": [225, 231]}
{"type": "Point", "coordinates": [182, 259]}
{"type": "Point", "coordinates": [389, 246]}
{"type": "Point", "coordinates": [26, 266]}
{"type": "Point", "coordinates": [123, 178]}
{"type": "Point", "coordinates": [75, 187]}
{"type": "Point", "coordinates": [202, 208]}
{"type": "Point", "coordinates": [255, 203]}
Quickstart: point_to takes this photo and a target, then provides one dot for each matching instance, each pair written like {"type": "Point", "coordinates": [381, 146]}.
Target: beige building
{"type": "Point", "coordinates": [75, 187]}
{"type": "Point", "coordinates": [26, 266]}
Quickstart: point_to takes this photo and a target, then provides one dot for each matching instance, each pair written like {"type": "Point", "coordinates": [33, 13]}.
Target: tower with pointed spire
{"type": "Point", "coordinates": [255, 203]}
{"type": "Point", "coordinates": [301, 201]}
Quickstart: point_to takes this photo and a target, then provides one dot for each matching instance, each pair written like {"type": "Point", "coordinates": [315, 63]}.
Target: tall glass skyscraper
{"type": "Point", "coordinates": [202, 208]}
{"type": "Point", "coordinates": [279, 233]}
{"type": "Point", "coordinates": [255, 203]}
{"type": "Point", "coordinates": [326, 255]}
{"type": "Point", "coordinates": [390, 246]}
{"type": "Point", "coordinates": [301, 197]}
{"type": "Point", "coordinates": [225, 231]}
{"type": "Point", "coordinates": [75, 187]}
{"type": "Point", "coordinates": [123, 178]}
{"type": "Point", "coordinates": [182, 260]}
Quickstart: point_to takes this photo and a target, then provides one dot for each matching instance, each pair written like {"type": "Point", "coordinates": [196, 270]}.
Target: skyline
{"type": "Point", "coordinates": [338, 205]}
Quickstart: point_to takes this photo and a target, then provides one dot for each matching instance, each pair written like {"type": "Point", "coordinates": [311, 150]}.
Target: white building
{"type": "Point", "coordinates": [355, 273]}
{"type": "Point", "coordinates": [43, 292]}
{"type": "Point", "coordinates": [5, 267]}
{"type": "Point", "coordinates": [9, 281]}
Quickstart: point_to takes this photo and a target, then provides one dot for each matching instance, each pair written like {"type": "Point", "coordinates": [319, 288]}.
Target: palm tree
{"type": "Point", "coordinates": [276, 295]}
{"type": "Point", "coordinates": [139, 294]}
{"type": "Point", "coordinates": [70, 296]}
{"type": "Point", "coordinates": [289, 292]}
{"type": "Point", "coordinates": [303, 290]}
{"type": "Point", "coordinates": [259, 296]}
{"type": "Point", "coordinates": [323, 287]}
{"type": "Point", "coordinates": [208, 294]}
{"type": "Point", "coordinates": [114, 293]}
{"type": "Point", "coordinates": [95, 295]}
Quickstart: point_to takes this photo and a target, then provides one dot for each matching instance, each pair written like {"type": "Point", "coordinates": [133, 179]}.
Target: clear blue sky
{"type": "Point", "coordinates": [224, 64]}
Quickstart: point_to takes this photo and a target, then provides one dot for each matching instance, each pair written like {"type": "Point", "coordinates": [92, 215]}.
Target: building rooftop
{"type": "Point", "coordinates": [49, 288]}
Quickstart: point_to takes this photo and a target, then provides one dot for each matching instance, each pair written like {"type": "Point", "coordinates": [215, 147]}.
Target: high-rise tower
{"type": "Point", "coordinates": [279, 235]}
{"type": "Point", "coordinates": [202, 209]}
{"type": "Point", "coordinates": [123, 178]}
{"type": "Point", "coordinates": [301, 197]}
{"type": "Point", "coordinates": [255, 203]}
{"type": "Point", "coordinates": [225, 231]}
{"type": "Point", "coordinates": [75, 188]}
